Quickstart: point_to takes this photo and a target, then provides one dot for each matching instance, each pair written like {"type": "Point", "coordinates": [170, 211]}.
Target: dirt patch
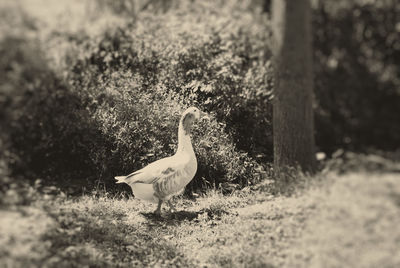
{"type": "Point", "coordinates": [20, 231]}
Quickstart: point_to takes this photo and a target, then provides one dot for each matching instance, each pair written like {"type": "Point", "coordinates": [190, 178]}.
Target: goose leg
{"type": "Point", "coordinates": [158, 210]}
{"type": "Point", "coordinates": [171, 206]}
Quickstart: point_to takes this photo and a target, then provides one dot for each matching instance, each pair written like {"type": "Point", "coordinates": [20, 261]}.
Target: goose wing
{"type": "Point", "coordinates": [169, 167]}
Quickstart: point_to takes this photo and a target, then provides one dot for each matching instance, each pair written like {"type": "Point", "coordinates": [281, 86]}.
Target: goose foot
{"type": "Point", "coordinates": [158, 210]}
{"type": "Point", "coordinates": [171, 207]}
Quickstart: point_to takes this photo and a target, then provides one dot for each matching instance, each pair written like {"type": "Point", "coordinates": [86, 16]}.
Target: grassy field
{"type": "Point", "coordinates": [337, 221]}
{"type": "Point", "coordinates": [350, 219]}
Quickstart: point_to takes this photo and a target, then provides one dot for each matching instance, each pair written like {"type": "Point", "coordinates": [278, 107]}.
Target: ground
{"type": "Point", "coordinates": [333, 220]}
{"type": "Point", "coordinates": [346, 220]}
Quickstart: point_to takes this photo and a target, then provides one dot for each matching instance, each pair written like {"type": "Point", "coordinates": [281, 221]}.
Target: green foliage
{"type": "Point", "coordinates": [49, 129]}
{"type": "Point", "coordinates": [88, 104]}
{"type": "Point", "coordinates": [117, 106]}
{"type": "Point", "coordinates": [357, 56]}
{"type": "Point", "coordinates": [222, 65]}
{"type": "Point", "coordinates": [142, 127]}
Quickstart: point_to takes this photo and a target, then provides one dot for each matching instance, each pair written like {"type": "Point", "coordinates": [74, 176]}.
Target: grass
{"type": "Point", "coordinates": [348, 220]}
{"type": "Point", "coordinates": [341, 221]}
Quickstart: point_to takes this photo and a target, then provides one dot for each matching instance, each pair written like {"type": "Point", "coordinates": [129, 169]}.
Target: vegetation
{"type": "Point", "coordinates": [100, 95]}
{"type": "Point", "coordinates": [94, 89]}
{"type": "Point", "coordinates": [116, 105]}
{"type": "Point", "coordinates": [334, 222]}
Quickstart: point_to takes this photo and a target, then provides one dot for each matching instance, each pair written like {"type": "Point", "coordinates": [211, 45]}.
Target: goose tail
{"type": "Point", "coordinates": [120, 179]}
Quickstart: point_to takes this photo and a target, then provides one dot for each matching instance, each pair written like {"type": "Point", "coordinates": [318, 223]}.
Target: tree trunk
{"type": "Point", "coordinates": [293, 119]}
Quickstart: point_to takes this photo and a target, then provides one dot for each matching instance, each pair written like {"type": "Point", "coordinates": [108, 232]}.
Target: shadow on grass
{"type": "Point", "coordinates": [97, 238]}
{"type": "Point", "coordinates": [177, 217]}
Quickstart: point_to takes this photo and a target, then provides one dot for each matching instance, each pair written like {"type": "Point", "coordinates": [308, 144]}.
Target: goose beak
{"type": "Point", "coordinates": [204, 116]}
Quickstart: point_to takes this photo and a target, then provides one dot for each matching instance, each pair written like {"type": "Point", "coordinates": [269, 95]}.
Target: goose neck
{"type": "Point", "coordinates": [184, 141]}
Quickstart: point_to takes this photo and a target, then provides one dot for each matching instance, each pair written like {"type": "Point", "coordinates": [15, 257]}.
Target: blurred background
{"type": "Point", "coordinates": [94, 89]}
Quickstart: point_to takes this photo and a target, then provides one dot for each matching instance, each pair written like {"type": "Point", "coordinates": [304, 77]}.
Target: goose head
{"type": "Point", "coordinates": [191, 115]}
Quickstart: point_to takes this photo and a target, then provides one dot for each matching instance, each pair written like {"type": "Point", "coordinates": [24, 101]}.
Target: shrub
{"type": "Point", "coordinates": [142, 127]}
{"type": "Point", "coordinates": [135, 78]}
{"type": "Point", "coordinates": [357, 75]}
{"type": "Point", "coordinates": [48, 127]}
{"type": "Point", "coordinates": [117, 108]}
{"type": "Point", "coordinates": [106, 102]}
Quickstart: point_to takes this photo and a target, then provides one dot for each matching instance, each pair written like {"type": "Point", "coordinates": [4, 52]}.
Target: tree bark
{"type": "Point", "coordinates": [293, 119]}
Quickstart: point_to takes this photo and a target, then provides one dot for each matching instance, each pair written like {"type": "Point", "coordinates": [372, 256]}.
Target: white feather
{"type": "Point", "coordinates": [167, 177]}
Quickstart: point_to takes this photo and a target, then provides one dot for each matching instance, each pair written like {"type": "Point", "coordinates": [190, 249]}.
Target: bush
{"type": "Point", "coordinates": [117, 107]}
{"type": "Point", "coordinates": [135, 79]}
{"type": "Point", "coordinates": [103, 103]}
{"type": "Point", "coordinates": [48, 126]}
{"type": "Point", "coordinates": [357, 75]}
{"type": "Point", "coordinates": [142, 127]}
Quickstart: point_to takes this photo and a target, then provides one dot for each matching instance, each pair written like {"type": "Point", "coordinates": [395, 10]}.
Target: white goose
{"type": "Point", "coordinates": [164, 178]}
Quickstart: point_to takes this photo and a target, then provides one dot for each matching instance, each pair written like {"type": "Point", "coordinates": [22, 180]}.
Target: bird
{"type": "Point", "coordinates": [159, 181]}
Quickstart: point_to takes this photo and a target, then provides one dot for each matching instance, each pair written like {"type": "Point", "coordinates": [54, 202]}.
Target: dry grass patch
{"type": "Point", "coordinates": [341, 221]}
